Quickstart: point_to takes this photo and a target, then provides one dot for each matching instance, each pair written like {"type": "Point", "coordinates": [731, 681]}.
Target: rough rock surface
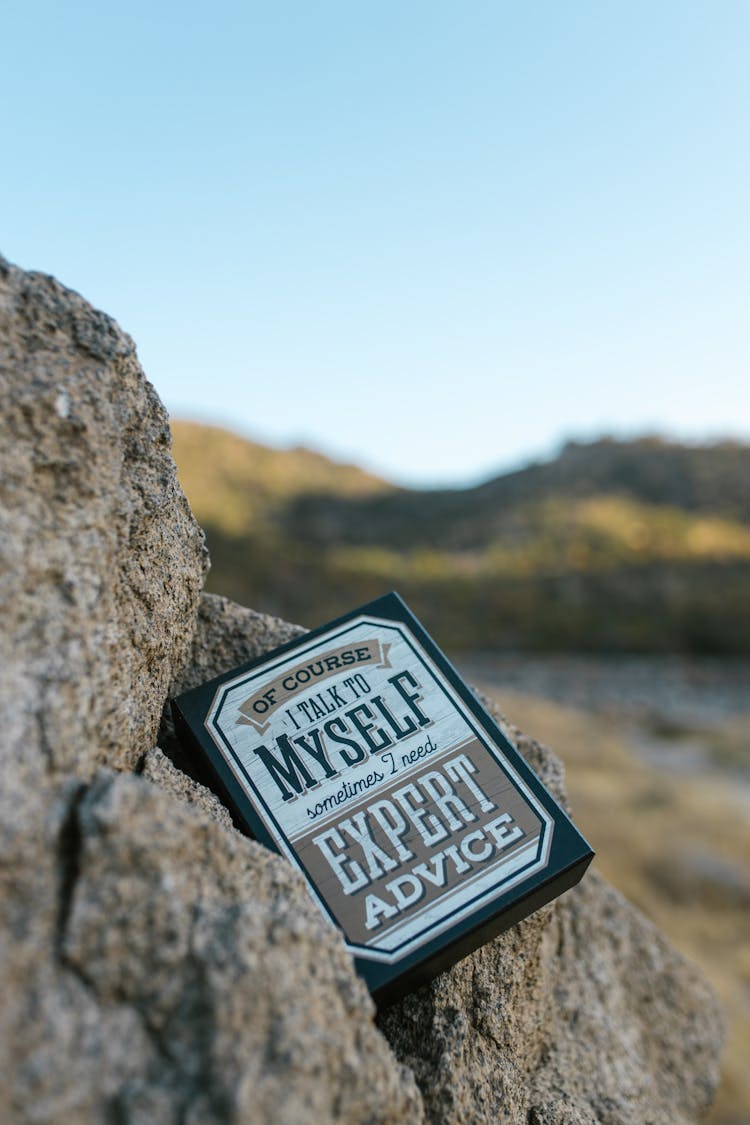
{"type": "Point", "coordinates": [101, 565]}
{"type": "Point", "coordinates": [582, 1014]}
{"type": "Point", "coordinates": [155, 965]}
{"type": "Point", "coordinates": [245, 999]}
{"type": "Point", "coordinates": [101, 560]}
{"type": "Point", "coordinates": [157, 768]}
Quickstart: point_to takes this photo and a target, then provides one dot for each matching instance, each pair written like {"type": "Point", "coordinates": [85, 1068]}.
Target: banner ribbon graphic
{"type": "Point", "coordinates": [258, 709]}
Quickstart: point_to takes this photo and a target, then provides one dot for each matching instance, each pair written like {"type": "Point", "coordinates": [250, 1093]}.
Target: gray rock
{"type": "Point", "coordinates": [228, 635]}
{"type": "Point", "coordinates": [581, 1014]}
{"type": "Point", "coordinates": [101, 565]}
{"type": "Point", "coordinates": [155, 965]}
{"type": "Point", "coordinates": [157, 768]}
{"type": "Point", "coordinates": [247, 997]}
{"type": "Point", "coordinates": [101, 560]}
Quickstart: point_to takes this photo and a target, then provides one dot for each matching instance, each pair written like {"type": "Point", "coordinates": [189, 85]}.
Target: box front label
{"type": "Point", "coordinates": [374, 779]}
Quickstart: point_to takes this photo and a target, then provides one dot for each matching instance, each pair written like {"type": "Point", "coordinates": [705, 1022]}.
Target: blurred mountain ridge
{"type": "Point", "coordinates": [629, 545]}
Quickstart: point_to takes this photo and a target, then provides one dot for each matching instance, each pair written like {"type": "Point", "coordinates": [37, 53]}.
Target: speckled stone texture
{"type": "Point", "coordinates": [155, 965]}
{"type": "Point", "coordinates": [581, 1014]}
{"type": "Point", "coordinates": [101, 561]}
{"type": "Point", "coordinates": [246, 1003]}
{"type": "Point", "coordinates": [101, 566]}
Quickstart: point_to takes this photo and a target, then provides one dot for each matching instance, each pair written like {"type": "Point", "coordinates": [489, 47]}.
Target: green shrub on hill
{"type": "Point", "coordinates": [641, 546]}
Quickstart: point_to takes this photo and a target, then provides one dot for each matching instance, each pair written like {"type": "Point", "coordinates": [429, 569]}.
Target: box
{"type": "Point", "coordinates": [358, 752]}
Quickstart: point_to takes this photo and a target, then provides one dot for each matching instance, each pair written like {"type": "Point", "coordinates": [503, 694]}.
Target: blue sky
{"type": "Point", "coordinates": [435, 238]}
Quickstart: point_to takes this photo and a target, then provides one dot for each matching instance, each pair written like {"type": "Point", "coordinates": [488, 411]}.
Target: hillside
{"type": "Point", "coordinates": [241, 483]}
{"type": "Point", "coordinates": [641, 545]}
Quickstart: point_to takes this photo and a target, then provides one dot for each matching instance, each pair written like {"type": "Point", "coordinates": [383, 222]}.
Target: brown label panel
{"type": "Point", "coordinates": [399, 851]}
